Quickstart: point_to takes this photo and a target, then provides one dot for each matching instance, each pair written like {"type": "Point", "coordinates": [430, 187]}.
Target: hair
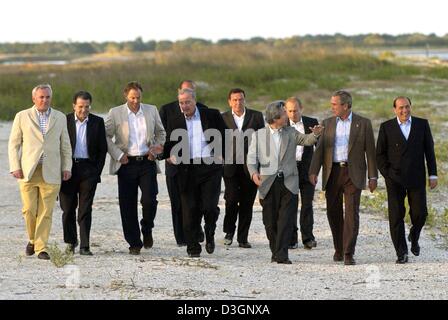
{"type": "Point", "coordinates": [44, 86]}
{"type": "Point", "coordinates": [274, 111]}
{"type": "Point", "coordinates": [83, 95]}
{"type": "Point", "coordinates": [133, 85]}
{"type": "Point", "coordinates": [294, 100]}
{"type": "Point", "coordinates": [187, 91]}
{"type": "Point", "coordinates": [344, 96]}
{"type": "Point", "coordinates": [401, 97]}
{"type": "Point", "coordinates": [236, 90]}
{"type": "Point", "coordinates": [191, 82]}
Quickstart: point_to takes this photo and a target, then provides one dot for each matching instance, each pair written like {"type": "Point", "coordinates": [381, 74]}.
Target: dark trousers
{"type": "Point", "coordinates": [418, 212]}
{"type": "Point", "coordinates": [131, 176]}
{"type": "Point", "coordinates": [306, 209]}
{"type": "Point", "coordinates": [344, 228]}
{"type": "Point", "coordinates": [176, 208]}
{"type": "Point", "coordinates": [239, 195]}
{"type": "Point", "coordinates": [279, 208]}
{"type": "Point", "coordinates": [78, 192]}
{"type": "Point", "coordinates": [199, 196]}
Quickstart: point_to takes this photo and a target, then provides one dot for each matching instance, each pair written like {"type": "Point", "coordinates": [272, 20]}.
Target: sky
{"type": "Point", "coordinates": [120, 20]}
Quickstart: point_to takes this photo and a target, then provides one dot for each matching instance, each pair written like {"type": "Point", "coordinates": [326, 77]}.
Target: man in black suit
{"type": "Point", "coordinates": [89, 146]}
{"type": "Point", "coordinates": [304, 154]}
{"type": "Point", "coordinates": [240, 190]}
{"type": "Point", "coordinates": [169, 111]}
{"type": "Point", "coordinates": [196, 146]}
{"type": "Point", "coordinates": [403, 145]}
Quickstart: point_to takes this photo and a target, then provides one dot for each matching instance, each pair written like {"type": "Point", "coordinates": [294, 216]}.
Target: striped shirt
{"type": "Point", "coordinates": [43, 118]}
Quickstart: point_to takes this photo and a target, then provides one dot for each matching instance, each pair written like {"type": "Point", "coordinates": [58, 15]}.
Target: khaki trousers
{"type": "Point", "coordinates": [38, 198]}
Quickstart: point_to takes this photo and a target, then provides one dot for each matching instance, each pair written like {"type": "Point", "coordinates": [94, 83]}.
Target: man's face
{"type": "Point", "coordinates": [133, 99]}
{"type": "Point", "coordinates": [281, 122]}
{"type": "Point", "coordinates": [402, 109]}
{"type": "Point", "coordinates": [293, 110]}
{"type": "Point", "coordinates": [237, 102]}
{"type": "Point", "coordinates": [81, 108]}
{"type": "Point", "coordinates": [339, 110]}
{"type": "Point", "coordinates": [187, 104]}
{"type": "Point", "coordinates": [42, 99]}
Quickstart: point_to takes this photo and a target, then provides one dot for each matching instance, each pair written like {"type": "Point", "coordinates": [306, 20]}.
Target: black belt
{"type": "Point", "coordinates": [78, 160]}
{"type": "Point", "coordinates": [138, 158]}
{"type": "Point", "coordinates": [341, 164]}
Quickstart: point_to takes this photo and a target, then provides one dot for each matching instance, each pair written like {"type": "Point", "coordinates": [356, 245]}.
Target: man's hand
{"type": "Point", "coordinates": [66, 175]}
{"type": "Point", "coordinates": [18, 174]}
{"type": "Point", "coordinates": [256, 178]}
{"type": "Point", "coordinates": [313, 179]}
{"type": "Point", "coordinates": [317, 130]}
{"type": "Point", "coordinates": [124, 159]}
{"type": "Point", "coordinates": [156, 149]}
{"type": "Point", "coordinates": [372, 185]}
{"type": "Point", "coordinates": [432, 183]}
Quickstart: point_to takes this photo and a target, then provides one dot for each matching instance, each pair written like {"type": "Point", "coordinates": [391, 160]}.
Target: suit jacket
{"type": "Point", "coordinates": [117, 126]}
{"type": "Point", "coordinates": [96, 139]}
{"type": "Point", "coordinates": [252, 120]}
{"type": "Point", "coordinates": [26, 145]}
{"type": "Point", "coordinates": [262, 159]}
{"type": "Point", "coordinates": [403, 160]}
{"type": "Point", "coordinates": [168, 111]}
{"type": "Point", "coordinates": [308, 151]}
{"type": "Point", "coordinates": [361, 145]}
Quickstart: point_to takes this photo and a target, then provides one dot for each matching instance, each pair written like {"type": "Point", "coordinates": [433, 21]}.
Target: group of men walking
{"type": "Point", "coordinates": [279, 155]}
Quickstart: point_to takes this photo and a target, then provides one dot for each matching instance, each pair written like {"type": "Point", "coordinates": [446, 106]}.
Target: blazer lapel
{"type": "Point", "coordinates": [71, 126]}
{"type": "Point", "coordinates": [51, 121]}
{"type": "Point", "coordinates": [284, 143]}
{"type": "Point", "coordinates": [125, 124]}
{"type": "Point", "coordinates": [412, 132]}
{"type": "Point", "coordinates": [32, 114]}
{"type": "Point", "coordinates": [204, 120]}
{"type": "Point", "coordinates": [89, 134]}
{"type": "Point", "coordinates": [228, 119]}
{"type": "Point", "coordinates": [354, 130]}
{"type": "Point", "coordinates": [247, 117]}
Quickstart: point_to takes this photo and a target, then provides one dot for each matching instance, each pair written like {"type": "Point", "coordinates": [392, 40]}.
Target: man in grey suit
{"type": "Point", "coordinates": [271, 162]}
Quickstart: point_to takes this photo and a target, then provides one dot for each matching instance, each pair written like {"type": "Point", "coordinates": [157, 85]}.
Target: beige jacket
{"type": "Point", "coordinates": [27, 144]}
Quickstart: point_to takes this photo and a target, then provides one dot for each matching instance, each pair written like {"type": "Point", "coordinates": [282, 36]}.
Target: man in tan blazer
{"type": "Point", "coordinates": [135, 137]}
{"type": "Point", "coordinates": [271, 161]}
{"type": "Point", "coordinates": [39, 151]}
{"type": "Point", "coordinates": [342, 150]}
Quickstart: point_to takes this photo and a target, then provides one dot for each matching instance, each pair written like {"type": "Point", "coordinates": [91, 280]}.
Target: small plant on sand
{"type": "Point", "coordinates": [58, 257]}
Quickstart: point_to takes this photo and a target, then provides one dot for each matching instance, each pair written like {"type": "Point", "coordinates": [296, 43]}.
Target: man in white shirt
{"type": "Point", "coordinates": [139, 138]}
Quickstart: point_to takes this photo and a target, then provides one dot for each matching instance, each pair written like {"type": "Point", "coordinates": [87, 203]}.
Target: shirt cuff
{"type": "Point", "coordinates": [373, 178]}
{"type": "Point", "coordinates": [121, 156]}
{"type": "Point", "coordinates": [432, 177]}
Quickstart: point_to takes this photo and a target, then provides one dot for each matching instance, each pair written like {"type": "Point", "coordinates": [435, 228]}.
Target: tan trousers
{"type": "Point", "coordinates": [38, 198]}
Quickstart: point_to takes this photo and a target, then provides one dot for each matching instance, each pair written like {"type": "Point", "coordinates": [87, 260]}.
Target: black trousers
{"type": "Point", "coordinates": [176, 208]}
{"type": "Point", "coordinates": [279, 208]}
{"type": "Point", "coordinates": [78, 192]}
{"type": "Point", "coordinates": [199, 196]}
{"type": "Point", "coordinates": [306, 209]}
{"type": "Point", "coordinates": [239, 195]}
{"type": "Point", "coordinates": [131, 176]}
{"type": "Point", "coordinates": [418, 212]}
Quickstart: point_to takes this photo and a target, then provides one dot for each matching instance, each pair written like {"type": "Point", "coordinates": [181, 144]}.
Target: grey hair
{"type": "Point", "coordinates": [274, 111]}
{"type": "Point", "coordinates": [295, 100]}
{"type": "Point", "coordinates": [344, 96]}
{"type": "Point", "coordinates": [41, 87]}
{"type": "Point", "coordinates": [187, 91]}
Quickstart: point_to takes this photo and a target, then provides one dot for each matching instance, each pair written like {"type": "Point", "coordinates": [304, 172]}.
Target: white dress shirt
{"type": "Point", "coordinates": [340, 152]}
{"type": "Point", "coordinates": [276, 139]}
{"type": "Point", "coordinates": [405, 127]}
{"type": "Point", "coordinates": [137, 133]}
{"type": "Point", "coordinates": [239, 120]}
{"type": "Point", "coordinates": [301, 128]}
{"type": "Point", "coordinates": [81, 139]}
{"type": "Point", "coordinates": [44, 119]}
{"type": "Point", "coordinates": [199, 147]}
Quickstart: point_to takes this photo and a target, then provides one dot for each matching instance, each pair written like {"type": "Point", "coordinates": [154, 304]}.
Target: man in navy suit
{"type": "Point", "coordinates": [404, 143]}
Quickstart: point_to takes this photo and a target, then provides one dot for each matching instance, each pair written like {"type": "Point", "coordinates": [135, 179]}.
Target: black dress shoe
{"type": "Point", "coordinates": [310, 244]}
{"type": "Point", "coordinates": [194, 255]}
{"type": "Point", "coordinates": [293, 246]}
{"type": "Point", "coordinates": [85, 252]}
{"type": "Point", "coordinates": [286, 261]}
{"type": "Point", "coordinates": [181, 244]}
{"type": "Point", "coordinates": [273, 259]}
{"type": "Point", "coordinates": [210, 246]}
{"type": "Point", "coordinates": [43, 255]}
{"type": "Point", "coordinates": [134, 251]}
{"type": "Point", "coordinates": [337, 257]}
{"type": "Point", "coordinates": [402, 259]}
{"type": "Point", "coordinates": [148, 241]}
{"type": "Point", "coordinates": [201, 235]}
{"type": "Point", "coordinates": [29, 250]}
{"type": "Point", "coordinates": [246, 245]}
{"type": "Point", "coordinates": [349, 260]}
{"type": "Point", "coordinates": [228, 239]}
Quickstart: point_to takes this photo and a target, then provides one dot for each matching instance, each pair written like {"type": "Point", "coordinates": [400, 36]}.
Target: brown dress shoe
{"type": "Point", "coordinates": [29, 250]}
{"type": "Point", "coordinates": [246, 245]}
{"type": "Point", "coordinates": [85, 252]}
{"type": "Point", "coordinates": [43, 255]}
{"type": "Point", "coordinates": [135, 251]}
{"type": "Point", "coordinates": [286, 261]}
{"type": "Point", "coordinates": [337, 257]}
{"type": "Point", "coordinates": [349, 260]}
{"type": "Point", "coordinates": [148, 241]}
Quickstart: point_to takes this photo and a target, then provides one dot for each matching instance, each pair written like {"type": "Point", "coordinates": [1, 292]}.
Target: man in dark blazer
{"type": "Point", "coordinates": [403, 145]}
{"type": "Point", "coordinates": [342, 150]}
{"type": "Point", "coordinates": [166, 112]}
{"type": "Point", "coordinates": [294, 110]}
{"type": "Point", "coordinates": [196, 147]}
{"type": "Point", "coordinates": [240, 190]}
{"type": "Point", "coordinates": [89, 147]}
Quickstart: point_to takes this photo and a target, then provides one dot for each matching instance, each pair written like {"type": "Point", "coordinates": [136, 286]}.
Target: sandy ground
{"type": "Point", "coordinates": [165, 271]}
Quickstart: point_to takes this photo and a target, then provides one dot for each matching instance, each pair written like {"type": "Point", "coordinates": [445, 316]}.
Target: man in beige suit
{"type": "Point", "coordinates": [271, 161]}
{"type": "Point", "coordinates": [39, 151]}
{"type": "Point", "coordinates": [342, 150]}
{"type": "Point", "coordinates": [135, 137]}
